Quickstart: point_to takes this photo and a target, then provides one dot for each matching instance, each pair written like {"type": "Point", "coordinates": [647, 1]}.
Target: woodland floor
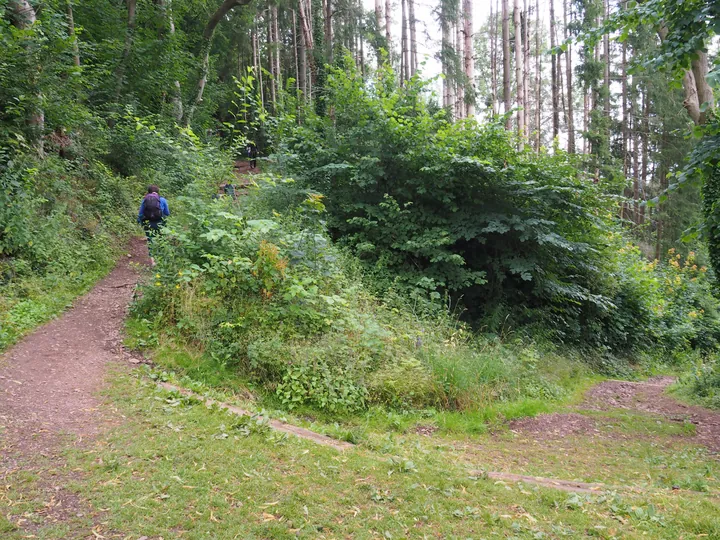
{"type": "Point", "coordinates": [90, 448]}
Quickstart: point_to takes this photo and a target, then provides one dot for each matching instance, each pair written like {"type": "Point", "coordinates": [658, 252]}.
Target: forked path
{"type": "Point", "coordinates": [50, 380]}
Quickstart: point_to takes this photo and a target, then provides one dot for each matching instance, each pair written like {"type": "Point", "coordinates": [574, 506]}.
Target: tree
{"type": "Point", "coordinates": [519, 70]}
{"type": "Point", "coordinates": [468, 56]}
{"type": "Point", "coordinates": [506, 60]}
{"type": "Point", "coordinates": [207, 36]}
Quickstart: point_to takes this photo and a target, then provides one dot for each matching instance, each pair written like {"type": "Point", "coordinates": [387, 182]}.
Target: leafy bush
{"type": "Point", "coordinates": [519, 238]}
{"type": "Point", "coordinates": [268, 296]}
{"type": "Point", "coordinates": [453, 207]}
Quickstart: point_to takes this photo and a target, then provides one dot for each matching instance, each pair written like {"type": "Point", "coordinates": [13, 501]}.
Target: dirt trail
{"type": "Point", "coordinates": [648, 397]}
{"type": "Point", "coordinates": [50, 380]}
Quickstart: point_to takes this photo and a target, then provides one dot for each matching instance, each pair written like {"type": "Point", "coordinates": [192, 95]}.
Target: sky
{"type": "Point", "coordinates": [428, 28]}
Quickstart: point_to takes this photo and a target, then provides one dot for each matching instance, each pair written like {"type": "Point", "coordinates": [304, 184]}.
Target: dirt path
{"type": "Point", "coordinates": [49, 382]}
{"type": "Point", "coordinates": [647, 397]}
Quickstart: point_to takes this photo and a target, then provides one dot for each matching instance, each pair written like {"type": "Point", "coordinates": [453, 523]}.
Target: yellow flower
{"type": "Point", "coordinates": [177, 286]}
{"type": "Point", "coordinates": [157, 283]}
{"type": "Point", "coordinates": [671, 251]}
{"type": "Point", "coordinates": [157, 276]}
{"type": "Point", "coordinates": [693, 315]}
{"type": "Point", "coordinates": [180, 273]}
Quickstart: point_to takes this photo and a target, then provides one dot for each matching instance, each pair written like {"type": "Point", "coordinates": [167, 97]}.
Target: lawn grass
{"type": "Point", "coordinates": [177, 469]}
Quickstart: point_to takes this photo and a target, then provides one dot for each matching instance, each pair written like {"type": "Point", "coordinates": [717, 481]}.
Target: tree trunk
{"type": "Point", "coordinates": [328, 30]}
{"type": "Point", "coordinates": [220, 13]}
{"type": "Point", "coordinates": [307, 59]}
{"type": "Point", "coordinates": [700, 70]}
{"type": "Point", "coordinates": [469, 58]}
{"type": "Point", "coordinates": [492, 31]}
{"type": "Point", "coordinates": [388, 28]}
{"type": "Point", "coordinates": [404, 68]}
{"type": "Point", "coordinates": [554, 68]}
{"type": "Point", "coordinates": [458, 67]}
{"type": "Point", "coordinates": [524, 14]}
{"type": "Point", "coordinates": [644, 149]}
{"type": "Point", "coordinates": [568, 82]}
{"type": "Point", "coordinates": [519, 70]}
{"type": "Point", "coordinates": [379, 19]}
{"type": "Point", "coordinates": [626, 112]}
{"type": "Point", "coordinates": [277, 43]}
{"type": "Point", "coordinates": [506, 60]}
{"type": "Point", "coordinates": [606, 51]}
{"type": "Point", "coordinates": [445, 54]}
{"type": "Point", "coordinates": [413, 38]}
{"type": "Point", "coordinates": [73, 36]}
{"type": "Point", "coordinates": [538, 78]}
{"type": "Point", "coordinates": [299, 62]}
{"type": "Point", "coordinates": [129, 36]}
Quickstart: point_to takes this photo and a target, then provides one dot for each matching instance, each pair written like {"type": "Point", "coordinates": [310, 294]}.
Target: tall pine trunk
{"type": "Point", "coordinates": [568, 81]}
{"type": "Point", "coordinates": [469, 66]}
{"type": "Point", "coordinates": [458, 66]}
{"type": "Point", "coordinates": [538, 78]}
{"type": "Point", "coordinates": [519, 70]}
{"type": "Point", "coordinates": [506, 60]}
{"type": "Point", "coordinates": [413, 38]}
{"type": "Point", "coordinates": [554, 75]}
{"type": "Point", "coordinates": [493, 57]}
{"type": "Point", "coordinates": [404, 68]}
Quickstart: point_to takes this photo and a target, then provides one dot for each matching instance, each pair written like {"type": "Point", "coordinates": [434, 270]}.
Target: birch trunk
{"type": "Point", "coordinates": [506, 60]}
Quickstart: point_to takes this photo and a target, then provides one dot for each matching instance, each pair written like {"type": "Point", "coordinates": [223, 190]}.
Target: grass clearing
{"type": "Point", "coordinates": [178, 469]}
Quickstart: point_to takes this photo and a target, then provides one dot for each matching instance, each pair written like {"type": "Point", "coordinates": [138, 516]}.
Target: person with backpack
{"type": "Point", "coordinates": [252, 155]}
{"type": "Point", "coordinates": [153, 211]}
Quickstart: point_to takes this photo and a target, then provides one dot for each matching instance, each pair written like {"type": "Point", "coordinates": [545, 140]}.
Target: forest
{"type": "Point", "coordinates": [465, 217]}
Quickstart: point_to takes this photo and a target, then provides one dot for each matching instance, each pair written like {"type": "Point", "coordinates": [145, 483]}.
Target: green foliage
{"type": "Point", "coordinates": [520, 238]}
{"type": "Point", "coordinates": [268, 297]}
{"type": "Point", "coordinates": [81, 202]}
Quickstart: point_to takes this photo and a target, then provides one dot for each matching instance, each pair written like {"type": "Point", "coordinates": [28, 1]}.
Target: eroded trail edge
{"type": "Point", "coordinates": [49, 382]}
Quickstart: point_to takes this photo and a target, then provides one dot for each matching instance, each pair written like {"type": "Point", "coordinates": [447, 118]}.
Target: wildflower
{"type": "Point", "coordinates": [157, 276]}
{"type": "Point", "coordinates": [177, 286]}
{"type": "Point", "coordinates": [180, 273]}
{"type": "Point", "coordinates": [693, 314]}
{"type": "Point", "coordinates": [671, 251]}
{"type": "Point", "coordinates": [157, 283]}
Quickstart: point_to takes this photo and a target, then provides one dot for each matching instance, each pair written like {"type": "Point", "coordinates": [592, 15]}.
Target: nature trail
{"type": "Point", "coordinates": [49, 383]}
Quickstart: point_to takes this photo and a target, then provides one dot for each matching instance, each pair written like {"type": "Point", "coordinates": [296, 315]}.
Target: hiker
{"type": "Point", "coordinates": [252, 154]}
{"type": "Point", "coordinates": [153, 211]}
